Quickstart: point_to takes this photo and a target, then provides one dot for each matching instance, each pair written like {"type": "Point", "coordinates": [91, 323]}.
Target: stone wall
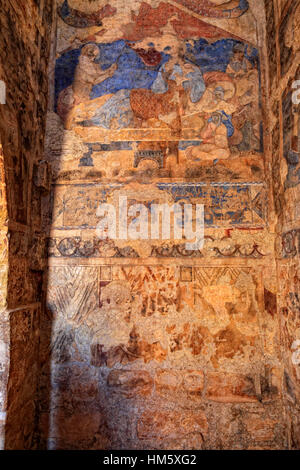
{"type": "Point", "coordinates": [153, 345]}
{"type": "Point", "coordinates": [24, 42]}
{"type": "Point", "coordinates": [284, 40]}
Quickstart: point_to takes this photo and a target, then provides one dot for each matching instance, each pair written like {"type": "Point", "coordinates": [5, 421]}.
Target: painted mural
{"type": "Point", "coordinates": [289, 32]}
{"type": "Point", "coordinates": [166, 94]}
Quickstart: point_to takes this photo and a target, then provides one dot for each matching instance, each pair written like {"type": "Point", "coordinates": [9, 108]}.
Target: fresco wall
{"type": "Point", "coordinates": [161, 102]}
{"type": "Point", "coordinates": [286, 152]}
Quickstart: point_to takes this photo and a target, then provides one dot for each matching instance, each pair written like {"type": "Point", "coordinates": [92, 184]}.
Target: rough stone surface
{"type": "Point", "coordinates": [141, 343]}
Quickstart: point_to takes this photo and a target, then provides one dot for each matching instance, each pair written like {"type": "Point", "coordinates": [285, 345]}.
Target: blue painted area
{"type": "Point", "coordinates": [185, 191]}
{"type": "Point", "coordinates": [132, 73]}
{"type": "Point", "coordinates": [195, 85]}
{"type": "Point", "coordinates": [87, 159]}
